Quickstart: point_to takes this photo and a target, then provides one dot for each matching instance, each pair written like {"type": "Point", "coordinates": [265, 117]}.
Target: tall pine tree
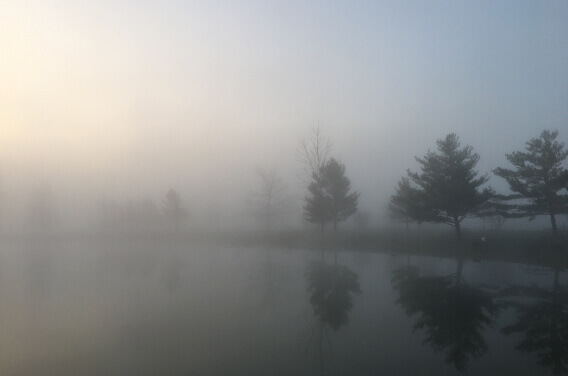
{"type": "Point", "coordinates": [448, 187]}
{"type": "Point", "coordinates": [539, 177]}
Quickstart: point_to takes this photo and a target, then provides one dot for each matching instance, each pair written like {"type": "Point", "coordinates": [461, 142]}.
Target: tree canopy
{"type": "Point", "coordinates": [173, 208]}
{"type": "Point", "coordinates": [405, 204]}
{"type": "Point", "coordinates": [538, 176]}
{"type": "Point", "coordinates": [330, 199]}
{"type": "Point", "coordinates": [453, 314]}
{"type": "Point", "coordinates": [447, 189]}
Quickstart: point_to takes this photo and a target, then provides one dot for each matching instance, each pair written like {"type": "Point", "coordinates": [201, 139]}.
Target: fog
{"type": "Point", "coordinates": [126, 100]}
{"type": "Point", "coordinates": [211, 188]}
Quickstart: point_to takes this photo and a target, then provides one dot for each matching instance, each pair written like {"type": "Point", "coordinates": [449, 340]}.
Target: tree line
{"type": "Point", "coordinates": [448, 188]}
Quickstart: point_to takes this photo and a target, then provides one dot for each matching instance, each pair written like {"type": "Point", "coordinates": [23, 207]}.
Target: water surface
{"type": "Point", "coordinates": [159, 307]}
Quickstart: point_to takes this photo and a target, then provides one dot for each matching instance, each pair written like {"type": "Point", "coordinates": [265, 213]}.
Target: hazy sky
{"type": "Point", "coordinates": [126, 99]}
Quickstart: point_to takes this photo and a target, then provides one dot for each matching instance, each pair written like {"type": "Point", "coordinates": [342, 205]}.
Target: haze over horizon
{"type": "Point", "coordinates": [128, 99]}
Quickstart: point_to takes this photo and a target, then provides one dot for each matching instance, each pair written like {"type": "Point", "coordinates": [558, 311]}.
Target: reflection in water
{"type": "Point", "coordinates": [453, 313]}
{"type": "Point", "coordinates": [542, 315]}
{"type": "Point", "coordinates": [331, 289]}
{"type": "Point", "coordinates": [269, 288]}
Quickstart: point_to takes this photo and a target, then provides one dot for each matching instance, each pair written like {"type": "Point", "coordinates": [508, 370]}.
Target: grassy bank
{"type": "Point", "coordinates": [534, 247]}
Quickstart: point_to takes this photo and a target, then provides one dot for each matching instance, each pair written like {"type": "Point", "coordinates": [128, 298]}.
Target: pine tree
{"type": "Point", "coordinates": [448, 188]}
{"type": "Point", "coordinates": [539, 177]}
{"type": "Point", "coordinates": [330, 199]}
{"type": "Point", "coordinates": [405, 204]}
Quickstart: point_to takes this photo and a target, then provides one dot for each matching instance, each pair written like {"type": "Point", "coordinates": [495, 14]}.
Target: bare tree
{"type": "Point", "coordinates": [313, 152]}
{"type": "Point", "coordinates": [268, 200]}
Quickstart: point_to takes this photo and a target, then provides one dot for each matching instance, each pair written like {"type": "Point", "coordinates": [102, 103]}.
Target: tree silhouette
{"type": "Point", "coordinates": [313, 152]}
{"type": "Point", "coordinates": [174, 210]}
{"type": "Point", "coordinates": [330, 198]}
{"type": "Point", "coordinates": [539, 177]}
{"type": "Point", "coordinates": [331, 289]}
{"type": "Point", "coordinates": [318, 203]}
{"type": "Point", "coordinates": [405, 205]}
{"type": "Point", "coordinates": [453, 313]}
{"type": "Point", "coordinates": [267, 201]}
{"type": "Point", "coordinates": [343, 202]}
{"type": "Point", "coordinates": [543, 319]}
{"type": "Point", "coordinates": [448, 186]}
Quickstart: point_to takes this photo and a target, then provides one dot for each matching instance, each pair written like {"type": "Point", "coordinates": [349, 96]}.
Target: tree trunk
{"type": "Point", "coordinates": [459, 271]}
{"type": "Point", "coordinates": [335, 227]}
{"type": "Point", "coordinates": [553, 222]}
{"type": "Point", "coordinates": [458, 228]}
{"type": "Point", "coordinates": [322, 244]}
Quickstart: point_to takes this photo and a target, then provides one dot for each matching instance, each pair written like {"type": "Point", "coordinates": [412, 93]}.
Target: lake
{"type": "Point", "coordinates": [155, 307]}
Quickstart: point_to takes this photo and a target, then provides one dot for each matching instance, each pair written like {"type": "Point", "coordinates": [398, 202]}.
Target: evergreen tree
{"type": "Point", "coordinates": [317, 208]}
{"type": "Point", "coordinates": [405, 204]}
{"type": "Point", "coordinates": [448, 188]}
{"type": "Point", "coordinates": [330, 199]}
{"type": "Point", "coordinates": [343, 203]}
{"type": "Point", "coordinates": [538, 176]}
{"type": "Point", "coordinates": [174, 210]}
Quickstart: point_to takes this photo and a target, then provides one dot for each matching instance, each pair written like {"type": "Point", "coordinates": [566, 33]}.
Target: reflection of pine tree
{"type": "Point", "coordinates": [331, 289]}
{"type": "Point", "coordinates": [542, 316]}
{"type": "Point", "coordinates": [453, 313]}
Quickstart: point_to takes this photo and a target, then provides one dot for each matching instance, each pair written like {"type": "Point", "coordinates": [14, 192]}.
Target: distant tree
{"type": "Point", "coordinates": [267, 201]}
{"type": "Point", "coordinates": [343, 202]}
{"type": "Point", "coordinates": [133, 215]}
{"type": "Point", "coordinates": [362, 219]}
{"type": "Point", "coordinates": [318, 202]}
{"type": "Point", "coordinates": [141, 214]}
{"type": "Point", "coordinates": [330, 199]}
{"type": "Point", "coordinates": [538, 176]}
{"type": "Point", "coordinates": [405, 205]}
{"type": "Point", "coordinates": [174, 210]}
{"type": "Point", "coordinates": [313, 152]}
{"type": "Point", "coordinates": [448, 185]}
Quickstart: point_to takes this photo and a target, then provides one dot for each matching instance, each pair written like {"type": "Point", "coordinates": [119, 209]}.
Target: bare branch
{"type": "Point", "coordinates": [313, 152]}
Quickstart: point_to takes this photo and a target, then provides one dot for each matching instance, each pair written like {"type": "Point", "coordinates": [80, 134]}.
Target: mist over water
{"type": "Point", "coordinates": [284, 188]}
{"type": "Point", "coordinates": [125, 101]}
{"type": "Point", "coordinates": [131, 307]}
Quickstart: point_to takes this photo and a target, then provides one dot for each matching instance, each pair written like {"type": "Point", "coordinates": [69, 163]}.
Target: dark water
{"type": "Point", "coordinates": [156, 308]}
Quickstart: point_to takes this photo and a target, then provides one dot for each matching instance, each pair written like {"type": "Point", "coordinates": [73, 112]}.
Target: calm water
{"type": "Point", "coordinates": [155, 308]}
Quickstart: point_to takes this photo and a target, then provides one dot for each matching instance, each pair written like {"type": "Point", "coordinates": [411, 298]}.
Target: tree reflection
{"type": "Point", "coordinates": [331, 290]}
{"type": "Point", "coordinates": [542, 315]}
{"type": "Point", "coordinates": [453, 313]}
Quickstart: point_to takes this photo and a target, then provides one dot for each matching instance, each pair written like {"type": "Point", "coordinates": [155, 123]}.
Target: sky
{"type": "Point", "coordinates": [127, 99]}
